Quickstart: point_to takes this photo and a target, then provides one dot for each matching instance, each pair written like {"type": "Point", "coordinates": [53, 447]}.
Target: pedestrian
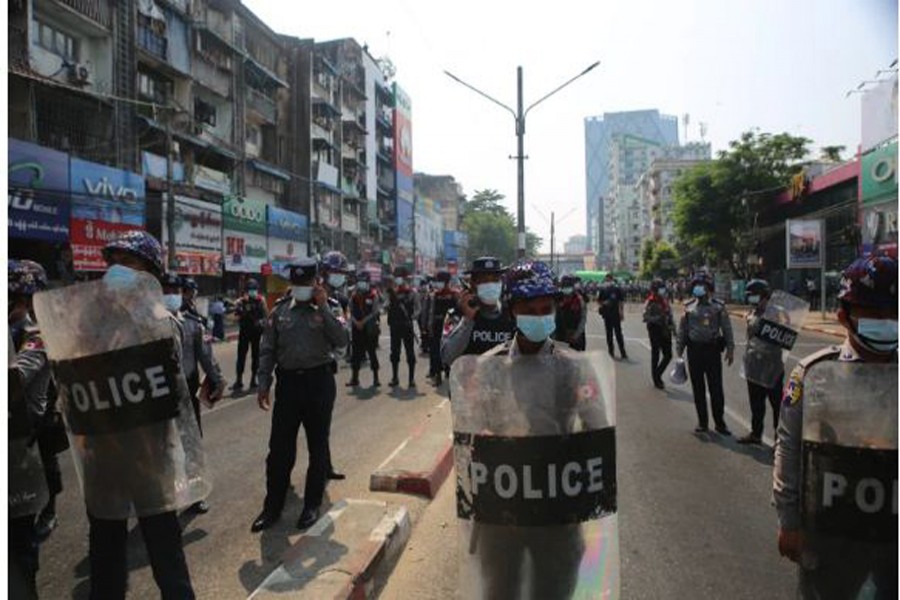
{"type": "Point", "coordinates": [705, 330]}
{"type": "Point", "coordinates": [365, 305]}
{"type": "Point", "coordinates": [441, 301]}
{"type": "Point", "coordinates": [217, 312]}
{"type": "Point", "coordinates": [793, 288]}
{"type": "Point", "coordinates": [812, 293]}
{"type": "Point", "coordinates": [571, 314]}
{"type": "Point", "coordinates": [765, 357]}
{"type": "Point", "coordinates": [484, 323]}
{"type": "Point", "coordinates": [830, 477]}
{"type": "Point", "coordinates": [660, 325]}
{"type": "Point", "coordinates": [424, 322]}
{"type": "Point", "coordinates": [251, 312]}
{"type": "Point", "coordinates": [403, 311]}
{"type": "Point", "coordinates": [612, 308]}
{"type": "Point", "coordinates": [300, 337]}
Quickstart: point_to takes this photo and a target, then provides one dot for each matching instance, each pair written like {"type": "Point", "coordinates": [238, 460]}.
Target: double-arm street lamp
{"type": "Point", "coordinates": [519, 115]}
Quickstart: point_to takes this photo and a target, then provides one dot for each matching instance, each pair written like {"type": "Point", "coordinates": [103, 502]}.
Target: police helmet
{"type": "Point", "coordinates": [26, 277]}
{"type": "Point", "coordinates": [138, 242]}
{"type": "Point", "coordinates": [171, 280]}
{"type": "Point", "coordinates": [527, 279]}
{"type": "Point", "coordinates": [303, 270]}
{"type": "Point", "coordinates": [335, 262]}
{"type": "Point", "coordinates": [703, 278]}
{"type": "Point", "coordinates": [189, 283]}
{"type": "Point", "coordinates": [442, 276]}
{"type": "Point", "coordinates": [757, 286]}
{"type": "Point", "coordinates": [870, 282]}
{"type": "Point", "coordinates": [252, 284]}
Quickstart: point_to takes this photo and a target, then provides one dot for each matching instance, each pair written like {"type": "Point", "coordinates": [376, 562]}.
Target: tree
{"type": "Point", "coordinates": [665, 261]}
{"type": "Point", "coordinates": [647, 258]}
{"type": "Point", "coordinates": [832, 153]}
{"type": "Point", "coordinates": [715, 201]}
{"type": "Point", "coordinates": [492, 229]}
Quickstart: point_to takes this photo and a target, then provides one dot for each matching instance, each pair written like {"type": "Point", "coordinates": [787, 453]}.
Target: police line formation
{"type": "Point", "coordinates": [114, 374]}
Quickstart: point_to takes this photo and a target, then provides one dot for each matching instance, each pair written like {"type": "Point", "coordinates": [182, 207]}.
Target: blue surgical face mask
{"type": "Point", "coordinates": [252, 293]}
{"type": "Point", "coordinates": [567, 291]}
{"type": "Point", "coordinates": [661, 292]}
{"type": "Point", "coordinates": [398, 281]}
{"type": "Point", "coordinates": [878, 334]}
{"type": "Point", "coordinates": [489, 293]}
{"type": "Point", "coordinates": [336, 279]}
{"type": "Point", "coordinates": [362, 286]}
{"type": "Point", "coordinates": [172, 302]}
{"type": "Point", "coordinates": [118, 277]}
{"type": "Point", "coordinates": [699, 291]}
{"type": "Point", "coordinates": [302, 293]}
{"type": "Point", "coordinates": [753, 300]}
{"type": "Point", "coordinates": [536, 328]}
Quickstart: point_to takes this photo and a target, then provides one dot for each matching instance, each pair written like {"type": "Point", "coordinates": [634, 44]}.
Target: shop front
{"type": "Point", "coordinates": [197, 228]}
{"type": "Point", "coordinates": [243, 242]}
{"type": "Point", "coordinates": [288, 241]}
{"type": "Point", "coordinates": [878, 197]}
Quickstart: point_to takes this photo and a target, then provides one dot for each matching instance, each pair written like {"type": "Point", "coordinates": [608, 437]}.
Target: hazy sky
{"type": "Point", "coordinates": [780, 65]}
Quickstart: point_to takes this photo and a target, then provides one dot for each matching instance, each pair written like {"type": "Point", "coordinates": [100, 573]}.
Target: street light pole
{"type": "Point", "coordinates": [519, 116]}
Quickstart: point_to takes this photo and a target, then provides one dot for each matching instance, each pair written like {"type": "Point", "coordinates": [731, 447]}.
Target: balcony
{"type": "Point", "coordinates": [219, 26]}
{"type": "Point", "coordinates": [152, 43]}
{"type": "Point", "coordinates": [319, 132]}
{"type": "Point", "coordinates": [382, 121]}
{"type": "Point", "coordinates": [261, 105]}
{"type": "Point", "coordinates": [95, 10]}
{"type": "Point", "coordinates": [349, 189]}
{"type": "Point", "coordinates": [211, 76]}
{"type": "Point", "coordinates": [350, 223]}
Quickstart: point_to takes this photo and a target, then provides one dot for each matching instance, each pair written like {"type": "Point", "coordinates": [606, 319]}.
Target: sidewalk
{"type": "Point", "coordinates": [828, 325]}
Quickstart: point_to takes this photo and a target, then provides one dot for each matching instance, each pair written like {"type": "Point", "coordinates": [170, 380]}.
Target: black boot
{"type": "Point", "coordinates": [412, 375]}
{"type": "Point", "coordinates": [395, 380]}
{"type": "Point", "coordinates": [375, 382]}
{"type": "Point", "coordinates": [354, 379]}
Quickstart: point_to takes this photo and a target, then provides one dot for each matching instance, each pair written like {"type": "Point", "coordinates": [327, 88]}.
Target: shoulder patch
{"type": "Point", "coordinates": [793, 391]}
{"type": "Point", "coordinates": [34, 342]}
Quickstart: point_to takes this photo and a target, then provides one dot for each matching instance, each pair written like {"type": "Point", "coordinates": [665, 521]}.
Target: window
{"type": "Point", "coordinates": [55, 41]}
{"type": "Point", "coordinates": [153, 89]}
{"type": "Point", "coordinates": [204, 112]}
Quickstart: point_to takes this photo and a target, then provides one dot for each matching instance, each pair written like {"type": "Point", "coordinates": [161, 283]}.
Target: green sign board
{"type": "Point", "coordinates": [879, 174]}
{"type": "Point", "coordinates": [241, 214]}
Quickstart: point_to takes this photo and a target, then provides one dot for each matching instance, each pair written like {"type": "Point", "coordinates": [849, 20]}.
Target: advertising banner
{"type": "Point", "coordinates": [878, 173]}
{"type": "Point", "coordinates": [404, 221]}
{"type": "Point", "coordinates": [879, 227]}
{"type": "Point", "coordinates": [402, 132]}
{"type": "Point", "coordinates": [105, 202]}
{"type": "Point", "coordinates": [879, 114]}
{"type": "Point", "coordinates": [288, 237]}
{"type": "Point", "coordinates": [38, 192]}
{"type": "Point", "coordinates": [244, 243]}
{"type": "Point", "coordinates": [198, 236]}
{"type": "Point", "coordinates": [804, 243]}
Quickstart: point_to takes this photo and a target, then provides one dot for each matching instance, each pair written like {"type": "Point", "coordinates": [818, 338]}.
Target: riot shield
{"type": "Point", "coordinates": [773, 338]}
{"type": "Point", "coordinates": [116, 355]}
{"type": "Point", "coordinates": [849, 480]}
{"type": "Point", "coordinates": [27, 484]}
{"type": "Point", "coordinates": [202, 306]}
{"type": "Point", "coordinates": [534, 447]}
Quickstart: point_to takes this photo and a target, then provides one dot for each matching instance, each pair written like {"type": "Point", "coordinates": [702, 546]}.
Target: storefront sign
{"type": "Point", "coordinates": [154, 165]}
{"type": "Point", "coordinates": [211, 180]}
{"type": "Point", "coordinates": [88, 236]}
{"type": "Point", "coordinates": [879, 175]}
{"type": "Point", "coordinates": [288, 237]}
{"type": "Point", "coordinates": [244, 246]}
{"type": "Point", "coordinates": [38, 205]}
{"type": "Point", "coordinates": [198, 236]}
{"type": "Point", "coordinates": [804, 244]}
{"type": "Point", "coordinates": [879, 227]}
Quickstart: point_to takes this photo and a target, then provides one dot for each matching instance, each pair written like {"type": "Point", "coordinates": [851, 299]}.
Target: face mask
{"type": "Point", "coordinates": [336, 280]}
{"type": "Point", "coordinates": [118, 277]}
{"type": "Point", "coordinates": [363, 287]}
{"type": "Point", "coordinates": [753, 300]}
{"type": "Point", "coordinates": [699, 291]}
{"type": "Point", "coordinates": [253, 293]}
{"type": "Point", "coordinates": [398, 281]}
{"type": "Point", "coordinates": [489, 293]}
{"type": "Point", "coordinates": [879, 334]}
{"type": "Point", "coordinates": [302, 293]}
{"type": "Point", "coordinates": [536, 328]}
{"type": "Point", "coordinates": [661, 292]}
{"type": "Point", "coordinates": [172, 302]}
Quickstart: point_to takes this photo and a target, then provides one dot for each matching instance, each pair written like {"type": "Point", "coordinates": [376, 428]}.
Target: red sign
{"type": "Point", "coordinates": [198, 263]}
{"type": "Point", "coordinates": [87, 238]}
{"type": "Point", "coordinates": [452, 267]}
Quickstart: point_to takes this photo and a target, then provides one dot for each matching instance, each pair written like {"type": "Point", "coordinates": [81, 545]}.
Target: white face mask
{"type": "Point", "coordinates": [362, 286]}
{"type": "Point", "coordinates": [118, 277]}
{"type": "Point", "coordinates": [661, 292]}
{"type": "Point", "coordinates": [302, 293]}
{"type": "Point", "coordinates": [878, 334]}
{"type": "Point", "coordinates": [172, 302]}
{"type": "Point", "coordinates": [336, 279]}
{"type": "Point", "coordinates": [753, 300]}
{"type": "Point", "coordinates": [398, 281]}
{"type": "Point", "coordinates": [567, 291]}
{"type": "Point", "coordinates": [253, 293]}
{"type": "Point", "coordinates": [489, 293]}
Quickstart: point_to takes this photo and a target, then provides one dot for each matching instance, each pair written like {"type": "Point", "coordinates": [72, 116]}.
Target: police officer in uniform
{"type": "Point", "coordinates": [300, 336]}
{"type": "Point", "coordinates": [403, 311]}
{"type": "Point", "coordinates": [189, 290]}
{"type": "Point", "coordinates": [441, 300]}
{"type": "Point", "coordinates": [334, 269]}
{"type": "Point", "coordinates": [571, 314]}
{"type": "Point", "coordinates": [660, 324]}
{"type": "Point", "coordinates": [758, 293]}
{"type": "Point", "coordinates": [612, 308]}
{"type": "Point", "coordinates": [868, 311]}
{"type": "Point", "coordinates": [485, 324]}
{"type": "Point", "coordinates": [424, 294]}
{"type": "Point", "coordinates": [365, 306]}
{"type": "Point", "coordinates": [705, 330]}
{"type": "Point", "coordinates": [251, 312]}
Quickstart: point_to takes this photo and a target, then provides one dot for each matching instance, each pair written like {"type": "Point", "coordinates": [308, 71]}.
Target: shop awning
{"type": "Point", "coordinates": [273, 171]}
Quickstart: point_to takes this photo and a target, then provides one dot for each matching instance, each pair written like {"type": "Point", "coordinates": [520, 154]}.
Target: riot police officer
{"type": "Point", "coordinates": [189, 290]}
{"type": "Point", "coordinates": [365, 306]}
{"type": "Point", "coordinates": [251, 312]}
{"type": "Point", "coordinates": [485, 324]}
{"type": "Point", "coordinates": [441, 300]}
{"type": "Point", "coordinates": [403, 311]}
{"type": "Point", "coordinates": [334, 270]}
{"type": "Point", "coordinates": [300, 337]}
{"type": "Point", "coordinates": [571, 314]}
{"type": "Point", "coordinates": [612, 308]}
{"type": "Point", "coordinates": [424, 322]}
{"type": "Point", "coordinates": [705, 330]}
{"type": "Point", "coordinates": [846, 554]}
{"type": "Point", "coordinates": [758, 293]}
{"type": "Point", "coordinates": [660, 324]}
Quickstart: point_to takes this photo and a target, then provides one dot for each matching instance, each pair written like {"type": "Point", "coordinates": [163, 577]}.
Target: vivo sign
{"type": "Point", "coordinates": [105, 183]}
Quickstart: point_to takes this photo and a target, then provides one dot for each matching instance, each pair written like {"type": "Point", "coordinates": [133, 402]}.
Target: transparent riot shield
{"type": "Point", "coordinates": [535, 453]}
{"type": "Point", "coordinates": [27, 484]}
{"type": "Point", "coordinates": [775, 334]}
{"type": "Point", "coordinates": [849, 480]}
{"type": "Point", "coordinates": [202, 306]}
{"type": "Point", "coordinates": [116, 353]}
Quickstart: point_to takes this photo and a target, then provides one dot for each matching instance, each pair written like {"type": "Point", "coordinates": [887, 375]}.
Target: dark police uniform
{"type": "Point", "coordinates": [297, 345]}
{"type": "Point", "coordinates": [364, 306]}
{"type": "Point", "coordinates": [491, 327]}
{"type": "Point", "coordinates": [197, 350]}
{"type": "Point", "coordinates": [759, 394]}
{"type": "Point", "coordinates": [571, 318]}
{"type": "Point", "coordinates": [441, 302]}
{"type": "Point", "coordinates": [251, 314]}
{"type": "Point", "coordinates": [403, 310]}
{"type": "Point", "coordinates": [705, 330]}
{"type": "Point", "coordinates": [658, 317]}
{"type": "Point", "coordinates": [611, 298]}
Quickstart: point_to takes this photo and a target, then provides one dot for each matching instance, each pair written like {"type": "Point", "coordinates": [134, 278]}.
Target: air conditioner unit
{"type": "Point", "coordinates": [79, 74]}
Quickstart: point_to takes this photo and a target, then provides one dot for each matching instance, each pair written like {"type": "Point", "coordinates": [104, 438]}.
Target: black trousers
{"type": "Point", "coordinates": [705, 369]}
{"type": "Point", "coordinates": [109, 560]}
{"type": "Point", "coordinates": [758, 395]}
{"type": "Point", "coordinates": [301, 398]}
{"type": "Point", "coordinates": [844, 566]}
{"type": "Point", "coordinates": [614, 326]}
{"type": "Point", "coordinates": [437, 334]}
{"type": "Point", "coordinates": [23, 557]}
{"type": "Point", "coordinates": [193, 383]}
{"type": "Point", "coordinates": [363, 345]}
{"type": "Point", "coordinates": [660, 345]}
{"type": "Point", "coordinates": [248, 340]}
{"type": "Point", "coordinates": [406, 337]}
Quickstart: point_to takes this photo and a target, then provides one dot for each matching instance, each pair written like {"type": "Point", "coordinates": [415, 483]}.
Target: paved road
{"type": "Point", "coordinates": [694, 510]}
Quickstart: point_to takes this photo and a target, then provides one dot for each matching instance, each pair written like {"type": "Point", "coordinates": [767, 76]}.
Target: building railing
{"type": "Point", "coordinates": [96, 10]}
{"type": "Point", "coordinates": [211, 76]}
{"type": "Point", "coordinates": [262, 104]}
{"type": "Point", "coordinates": [350, 223]}
{"type": "Point", "coordinates": [152, 42]}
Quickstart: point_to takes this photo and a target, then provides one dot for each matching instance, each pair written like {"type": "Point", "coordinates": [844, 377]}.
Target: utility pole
{"type": "Point", "coordinates": [415, 203]}
{"type": "Point", "coordinates": [552, 238]}
{"type": "Point", "coordinates": [170, 198]}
